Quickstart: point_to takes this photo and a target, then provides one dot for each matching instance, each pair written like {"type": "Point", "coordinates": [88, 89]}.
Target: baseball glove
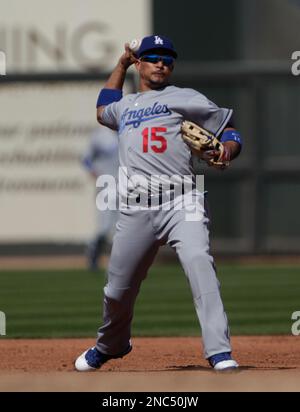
{"type": "Point", "coordinates": [205, 145]}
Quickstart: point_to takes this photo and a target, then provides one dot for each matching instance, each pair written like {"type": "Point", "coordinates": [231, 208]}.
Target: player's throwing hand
{"type": "Point", "coordinates": [128, 58]}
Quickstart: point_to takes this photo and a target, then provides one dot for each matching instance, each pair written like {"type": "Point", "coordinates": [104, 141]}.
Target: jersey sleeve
{"type": "Point", "coordinates": [111, 116]}
{"type": "Point", "coordinates": [207, 114]}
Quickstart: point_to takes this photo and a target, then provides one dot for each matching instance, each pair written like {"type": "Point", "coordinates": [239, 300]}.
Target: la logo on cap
{"type": "Point", "coordinates": [158, 40]}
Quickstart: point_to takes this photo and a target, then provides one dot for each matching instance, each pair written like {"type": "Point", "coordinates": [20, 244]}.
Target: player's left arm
{"type": "Point", "coordinates": [218, 121]}
{"type": "Point", "coordinates": [232, 143]}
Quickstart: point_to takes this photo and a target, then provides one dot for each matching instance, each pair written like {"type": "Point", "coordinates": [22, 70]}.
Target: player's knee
{"type": "Point", "coordinates": [119, 295]}
{"type": "Point", "coordinates": [113, 293]}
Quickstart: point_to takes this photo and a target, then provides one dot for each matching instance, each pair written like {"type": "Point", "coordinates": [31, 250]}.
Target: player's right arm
{"type": "Point", "coordinates": [114, 84]}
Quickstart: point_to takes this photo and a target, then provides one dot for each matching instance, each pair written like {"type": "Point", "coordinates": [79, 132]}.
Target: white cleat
{"type": "Point", "coordinates": [223, 362]}
{"type": "Point", "coordinates": [81, 363]}
{"type": "Point", "coordinates": [226, 365]}
{"type": "Point", "coordinates": [92, 359]}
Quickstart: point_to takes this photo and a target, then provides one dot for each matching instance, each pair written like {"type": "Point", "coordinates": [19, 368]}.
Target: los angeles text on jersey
{"type": "Point", "coordinates": [136, 117]}
{"type": "Point", "coordinates": [151, 401]}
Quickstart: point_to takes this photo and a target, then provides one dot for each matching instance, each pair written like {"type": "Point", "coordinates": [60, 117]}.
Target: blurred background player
{"type": "Point", "coordinates": [101, 158]}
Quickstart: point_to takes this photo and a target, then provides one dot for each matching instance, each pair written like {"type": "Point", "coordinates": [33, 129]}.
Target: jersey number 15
{"type": "Point", "coordinates": [158, 143]}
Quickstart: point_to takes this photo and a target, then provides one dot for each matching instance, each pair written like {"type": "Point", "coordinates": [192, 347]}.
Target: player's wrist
{"type": "Point", "coordinates": [232, 141]}
{"type": "Point", "coordinates": [122, 65]}
{"type": "Point", "coordinates": [231, 135]}
{"type": "Point", "coordinates": [231, 150]}
{"type": "Point", "coordinates": [227, 154]}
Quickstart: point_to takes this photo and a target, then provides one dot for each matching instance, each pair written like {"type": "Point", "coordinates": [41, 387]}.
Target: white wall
{"type": "Point", "coordinates": [68, 35]}
{"type": "Point", "coordinates": [45, 194]}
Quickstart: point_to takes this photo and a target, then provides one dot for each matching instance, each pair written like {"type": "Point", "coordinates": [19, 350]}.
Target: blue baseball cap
{"type": "Point", "coordinates": [152, 43]}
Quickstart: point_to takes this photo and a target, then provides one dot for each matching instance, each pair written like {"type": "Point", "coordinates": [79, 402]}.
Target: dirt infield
{"type": "Point", "coordinates": [155, 364]}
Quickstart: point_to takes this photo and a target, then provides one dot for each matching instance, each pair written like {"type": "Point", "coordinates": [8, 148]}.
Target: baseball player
{"type": "Point", "coordinates": [101, 158]}
{"type": "Point", "coordinates": [150, 143]}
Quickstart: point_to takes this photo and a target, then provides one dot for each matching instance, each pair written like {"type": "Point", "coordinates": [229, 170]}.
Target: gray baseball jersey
{"type": "Point", "coordinates": [149, 128]}
{"type": "Point", "coordinates": [150, 143]}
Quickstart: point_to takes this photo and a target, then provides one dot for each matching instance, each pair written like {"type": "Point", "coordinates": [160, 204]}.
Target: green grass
{"type": "Point", "coordinates": [68, 303]}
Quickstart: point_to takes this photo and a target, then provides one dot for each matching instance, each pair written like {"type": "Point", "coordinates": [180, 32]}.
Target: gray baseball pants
{"type": "Point", "coordinates": [138, 237]}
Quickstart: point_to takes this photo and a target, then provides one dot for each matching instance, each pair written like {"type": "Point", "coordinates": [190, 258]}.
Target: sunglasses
{"type": "Point", "coordinates": [155, 58]}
